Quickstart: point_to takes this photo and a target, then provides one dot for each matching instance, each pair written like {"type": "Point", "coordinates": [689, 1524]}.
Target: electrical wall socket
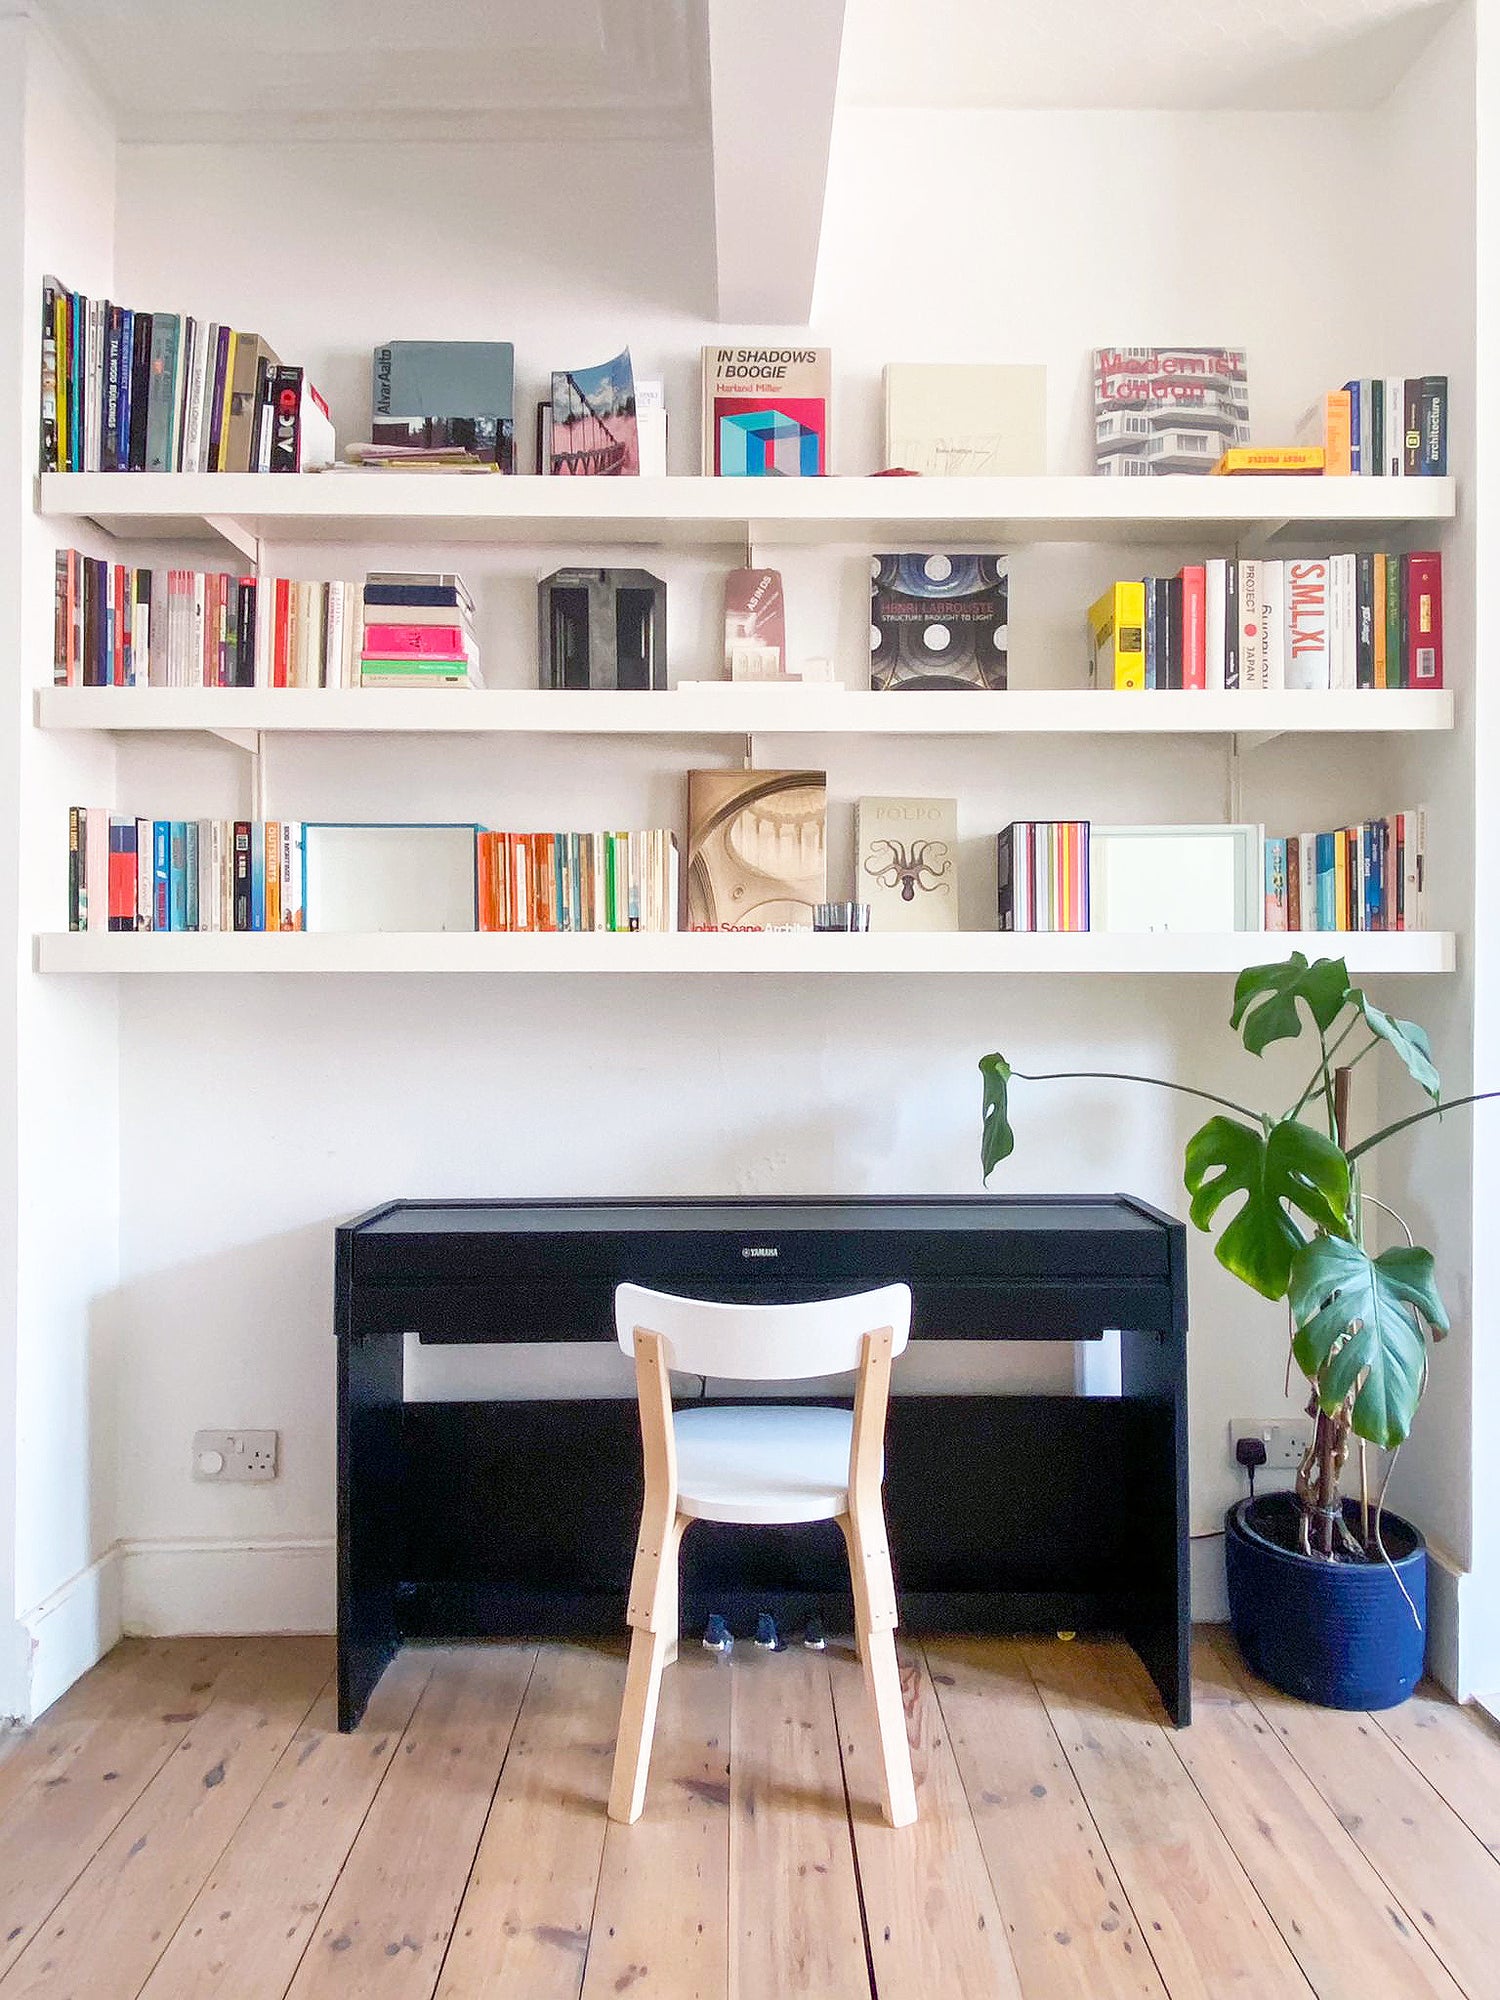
{"type": "Point", "coordinates": [226, 1455]}
{"type": "Point", "coordinates": [1286, 1439]}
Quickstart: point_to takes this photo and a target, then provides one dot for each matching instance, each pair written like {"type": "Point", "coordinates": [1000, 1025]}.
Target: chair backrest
{"type": "Point", "coordinates": [763, 1343]}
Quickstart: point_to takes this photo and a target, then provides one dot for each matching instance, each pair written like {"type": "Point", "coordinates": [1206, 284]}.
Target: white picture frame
{"type": "Point", "coordinates": [1192, 879]}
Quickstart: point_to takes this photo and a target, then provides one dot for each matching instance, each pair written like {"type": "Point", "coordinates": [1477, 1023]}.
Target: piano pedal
{"type": "Point", "coordinates": [812, 1636]}
{"type": "Point", "coordinates": [766, 1635]}
{"type": "Point", "coordinates": [717, 1637]}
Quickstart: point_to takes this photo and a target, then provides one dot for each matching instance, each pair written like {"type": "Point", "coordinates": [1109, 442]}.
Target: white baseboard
{"type": "Point", "coordinates": [72, 1629]}
{"type": "Point", "coordinates": [227, 1588]}
{"type": "Point", "coordinates": [1208, 1594]}
{"type": "Point", "coordinates": [1444, 1586]}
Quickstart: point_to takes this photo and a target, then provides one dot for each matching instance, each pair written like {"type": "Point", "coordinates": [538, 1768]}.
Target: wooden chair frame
{"type": "Point", "coordinates": [653, 1614]}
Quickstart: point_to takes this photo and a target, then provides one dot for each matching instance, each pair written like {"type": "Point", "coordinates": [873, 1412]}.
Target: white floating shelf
{"type": "Point", "coordinates": [725, 952]}
{"type": "Point", "coordinates": [256, 508]}
{"type": "Point", "coordinates": [739, 710]}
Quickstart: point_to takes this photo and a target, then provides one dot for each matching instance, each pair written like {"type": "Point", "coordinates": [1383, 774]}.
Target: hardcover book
{"type": "Point", "coordinates": [593, 427]}
{"type": "Point", "coordinates": [447, 393]}
{"type": "Point", "coordinates": [938, 621]}
{"type": "Point", "coordinates": [1167, 409]}
{"type": "Point", "coordinates": [765, 411]}
{"type": "Point", "coordinates": [754, 625]}
{"type": "Point", "coordinates": [757, 849]}
{"type": "Point", "coordinates": [965, 421]}
{"type": "Point", "coordinates": [906, 865]}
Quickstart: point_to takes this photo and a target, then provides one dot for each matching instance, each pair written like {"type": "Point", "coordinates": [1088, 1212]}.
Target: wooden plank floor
{"type": "Point", "coordinates": [185, 1825]}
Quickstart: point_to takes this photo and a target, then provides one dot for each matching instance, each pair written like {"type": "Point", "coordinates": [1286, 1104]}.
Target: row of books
{"type": "Point", "coordinates": [1344, 621]}
{"type": "Point", "coordinates": [1042, 875]}
{"type": "Point", "coordinates": [128, 874]}
{"type": "Point", "coordinates": [1383, 428]}
{"type": "Point", "coordinates": [578, 881]}
{"type": "Point", "coordinates": [126, 391]}
{"type": "Point", "coordinates": [1370, 877]}
{"type": "Point", "coordinates": [118, 626]}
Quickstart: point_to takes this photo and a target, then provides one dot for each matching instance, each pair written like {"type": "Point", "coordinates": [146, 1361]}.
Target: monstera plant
{"type": "Point", "coordinates": [1283, 1191]}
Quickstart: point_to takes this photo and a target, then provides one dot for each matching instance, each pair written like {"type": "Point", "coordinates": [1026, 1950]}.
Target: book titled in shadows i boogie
{"type": "Point", "coordinates": [765, 411]}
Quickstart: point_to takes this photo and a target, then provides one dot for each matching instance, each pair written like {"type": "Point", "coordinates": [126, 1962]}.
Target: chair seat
{"type": "Point", "coordinates": [773, 1462]}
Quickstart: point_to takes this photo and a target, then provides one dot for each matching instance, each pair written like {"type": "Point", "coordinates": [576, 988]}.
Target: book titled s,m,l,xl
{"type": "Point", "coordinates": [1308, 650]}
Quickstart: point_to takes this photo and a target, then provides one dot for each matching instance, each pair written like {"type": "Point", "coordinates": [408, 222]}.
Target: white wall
{"type": "Point", "coordinates": [978, 235]}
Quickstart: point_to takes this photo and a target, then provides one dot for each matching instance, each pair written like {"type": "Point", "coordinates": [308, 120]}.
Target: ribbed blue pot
{"type": "Point", "coordinates": [1339, 1634]}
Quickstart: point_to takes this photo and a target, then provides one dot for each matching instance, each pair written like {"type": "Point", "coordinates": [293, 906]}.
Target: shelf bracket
{"type": "Point", "coordinates": [237, 536]}
{"type": "Point", "coordinates": [1254, 739]}
{"type": "Point", "coordinates": [242, 739]}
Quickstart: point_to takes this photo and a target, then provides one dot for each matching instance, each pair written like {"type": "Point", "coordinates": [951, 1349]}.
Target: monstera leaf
{"type": "Point", "coordinates": [1406, 1038]}
{"type": "Point", "coordinates": [1291, 1167]}
{"type": "Point", "coordinates": [997, 1141]}
{"type": "Point", "coordinates": [1266, 996]}
{"type": "Point", "coordinates": [1359, 1331]}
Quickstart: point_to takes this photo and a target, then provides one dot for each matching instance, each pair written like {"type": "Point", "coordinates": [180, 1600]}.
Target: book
{"type": "Point", "coordinates": [296, 431]}
{"type": "Point", "coordinates": [1297, 460]}
{"type": "Point", "coordinates": [1308, 650]}
{"type": "Point", "coordinates": [906, 863]}
{"type": "Point", "coordinates": [1433, 461]}
{"type": "Point", "coordinates": [1369, 877]}
{"type": "Point", "coordinates": [757, 849]}
{"type": "Point", "coordinates": [966, 420]}
{"type": "Point", "coordinates": [765, 411]}
{"type": "Point", "coordinates": [1194, 581]}
{"type": "Point", "coordinates": [1424, 619]}
{"type": "Point", "coordinates": [456, 393]}
{"type": "Point", "coordinates": [651, 428]}
{"type": "Point", "coordinates": [1117, 637]}
{"type": "Point", "coordinates": [1273, 623]}
{"type": "Point", "coordinates": [1252, 655]}
{"type": "Point", "coordinates": [754, 625]}
{"type": "Point", "coordinates": [593, 420]}
{"type": "Point", "coordinates": [1162, 410]}
{"type": "Point", "coordinates": [938, 621]}
{"type": "Point", "coordinates": [1329, 427]}
{"type": "Point", "coordinates": [1215, 607]}
{"type": "Point", "coordinates": [1042, 876]}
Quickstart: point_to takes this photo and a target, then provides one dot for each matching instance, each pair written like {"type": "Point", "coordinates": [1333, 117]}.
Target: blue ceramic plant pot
{"type": "Point", "coordinates": [1340, 1634]}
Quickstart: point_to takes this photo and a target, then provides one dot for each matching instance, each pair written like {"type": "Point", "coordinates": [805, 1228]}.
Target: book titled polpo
{"type": "Point", "coordinates": [907, 866]}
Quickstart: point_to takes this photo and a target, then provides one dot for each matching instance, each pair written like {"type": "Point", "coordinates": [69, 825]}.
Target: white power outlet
{"type": "Point", "coordinates": [1286, 1439]}
{"type": "Point", "coordinates": [226, 1455]}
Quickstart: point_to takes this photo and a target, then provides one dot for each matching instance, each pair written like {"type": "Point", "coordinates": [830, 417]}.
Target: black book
{"type": "Point", "coordinates": [141, 661]}
{"type": "Point", "coordinates": [242, 875]}
{"type": "Point", "coordinates": [244, 658]}
{"type": "Point", "coordinates": [1005, 861]}
{"type": "Point", "coordinates": [1364, 621]}
{"type": "Point", "coordinates": [284, 394]}
{"type": "Point", "coordinates": [1411, 436]}
{"type": "Point", "coordinates": [109, 457]}
{"type": "Point", "coordinates": [1148, 637]}
{"type": "Point", "coordinates": [1231, 623]}
{"type": "Point", "coordinates": [140, 392]}
{"type": "Point", "coordinates": [1173, 588]}
{"type": "Point", "coordinates": [436, 595]}
{"type": "Point", "coordinates": [51, 292]}
{"type": "Point", "coordinates": [1434, 458]}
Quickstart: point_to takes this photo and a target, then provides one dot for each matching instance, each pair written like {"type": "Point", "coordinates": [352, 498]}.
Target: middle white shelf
{"type": "Point", "coordinates": [734, 710]}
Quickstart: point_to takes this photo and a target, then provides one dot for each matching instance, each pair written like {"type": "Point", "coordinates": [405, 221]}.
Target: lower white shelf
{"type": "Point", "coordinates": [732, 952]}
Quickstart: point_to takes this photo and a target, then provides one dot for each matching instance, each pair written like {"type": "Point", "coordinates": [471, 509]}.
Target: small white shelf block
{"type": "Point", "coordinates": [733, 952]}
{"type": "Point", "coordinates": [738, 710]}
{"type": "Point", "coordinates": [687, 511]}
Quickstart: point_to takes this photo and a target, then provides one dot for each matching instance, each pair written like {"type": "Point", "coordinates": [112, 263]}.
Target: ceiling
{"type": "Point", "coordinates": [1132, 54]}
{"type": "Point", "coordinates": [370, 69]}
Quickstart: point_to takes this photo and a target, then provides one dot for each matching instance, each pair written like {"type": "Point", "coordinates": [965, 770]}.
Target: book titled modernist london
{"type": "Point", "coordinates": [1167, 409]}
{"type": "Point", "coordinates": [765, 411]}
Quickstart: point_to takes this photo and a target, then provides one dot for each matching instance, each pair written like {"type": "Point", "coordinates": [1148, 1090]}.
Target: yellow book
{"type": "Point", "coordinates": [218, 464]}
{"type": "Point", "coordinates": [1382, 664]}
{"type": "Point", "coordinates": [1340, 882]}
{"type": "Point", "coordinates": [1240, 458]}
{"type": "Point", "coordinates": [1117, 637]}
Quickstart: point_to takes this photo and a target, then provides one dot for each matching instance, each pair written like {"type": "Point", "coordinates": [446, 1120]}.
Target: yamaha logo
{"type": "Point", "coordinates": [759, 1250]}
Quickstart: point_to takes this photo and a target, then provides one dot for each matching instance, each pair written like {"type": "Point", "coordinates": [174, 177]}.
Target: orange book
{"type": "Point", "coordinates": [1330, 424]}
{"type": "Point", "coordinates": [1243, 458]}
{"type": "Point", "coordinates": [273, 875]}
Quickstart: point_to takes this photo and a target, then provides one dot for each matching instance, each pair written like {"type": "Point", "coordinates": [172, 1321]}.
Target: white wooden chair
{"type": "Point", "coordinates": [770, 1462]}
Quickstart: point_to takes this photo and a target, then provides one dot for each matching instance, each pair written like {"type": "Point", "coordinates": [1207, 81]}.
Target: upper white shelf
{"type": "Point", "coordinates": [254, 508]}
{"type": "Point", "coordinates": [734, 710]}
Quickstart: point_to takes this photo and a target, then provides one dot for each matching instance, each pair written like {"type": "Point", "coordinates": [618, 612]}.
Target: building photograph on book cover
{"type": "Point", "coordinates": [1167, 409]}
{"type": "Point", "coordinates": [757, 848]}
{"type": "Point", "coordinates": [593, 419]}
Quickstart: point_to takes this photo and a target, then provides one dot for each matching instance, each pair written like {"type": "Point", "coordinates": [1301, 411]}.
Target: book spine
{"type": "Point", "coordinates": [1176, 650]}
{"type": "Point", "coordinates": [109, 427]}
{"type": "Point", "coordinates": [241, 875]}
{"type": "Point", "coordinates": [1194, 626]}
{"type": "Point", "coordinates": [1434, 457]}
{"type": "Point", "coordinates": [1358, 410]}
{"type": "Point", "coordinates": [1214, 633]}
{"type": "Point", "coordinates": [1424, 618]}
{"type": "Point", "coordinates": [48, 439]}
{"type": "Point", "coordinates": [122, 402]}
{"type": "Point", "coordinates": [1251, 662]}
{"type": "Point", "coordinates": [1411, 426]}
{"type": "Point", "coordinates": [1151, 638]}
{"type": "Point", "coordinates": [286, 420]}
{"type": "Point", "coordinates": [1273, 623]}
{"type": "Point", "coordinates": [1395, 427]}
{"type": "Point", "coordinates": [1231, 624]}
{"type": "Point", "coordinates": [1364, 621]}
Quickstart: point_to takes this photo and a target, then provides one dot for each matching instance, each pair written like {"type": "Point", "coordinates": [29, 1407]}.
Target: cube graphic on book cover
{"type": "Point", "coordinates": [938, 621]}
{"type": "Point", "coordinates": [765, 411]}
{"type": "Point", "coordinates": [1167, 409]}
{"type": "Point", "coordinates": [757, 849]}
{"type": "Point", "coordinates": [907, 863]}
{"type": "Point", "coordinates": [770, 442]}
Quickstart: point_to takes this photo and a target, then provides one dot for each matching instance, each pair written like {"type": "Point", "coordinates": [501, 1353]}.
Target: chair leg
{"type": "Point", "coordinates": [875, 1630]}
{"type": "Point", "coordinates": [627, 1791]}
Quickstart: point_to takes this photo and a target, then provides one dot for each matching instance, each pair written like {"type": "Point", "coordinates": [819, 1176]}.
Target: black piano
{"type": "Point", "coordinates": [461, 1519]}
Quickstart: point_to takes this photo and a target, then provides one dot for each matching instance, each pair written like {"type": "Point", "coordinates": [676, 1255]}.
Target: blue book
{"type": "Point", "coordinates": [161, 874]}
{"type": "Point", "coordinates": [257, 875]}
{"type": "Point", "coordinates": [1148, 587]}
{"type": "Point", "coordinates": [1355, 456]}
{"type": "Point", "coordinates": [1327, 916]}
{"type": "Point", "coordinates": [177, 875]}
{"type": "Point", "coordinates": [190, 868]}
{"type": "Point", "coordinates": [122, 400]}
{"type": "Point", "coordinates": [1374, 876]}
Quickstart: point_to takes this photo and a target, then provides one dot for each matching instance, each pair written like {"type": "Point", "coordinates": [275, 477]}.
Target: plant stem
{"type": "Point", "coordinates": [1127, 1076]}
{"type": "Point", "coordinates": [1432, 1111]}
{"type": "Point", "coordinates": [1315, 1081]}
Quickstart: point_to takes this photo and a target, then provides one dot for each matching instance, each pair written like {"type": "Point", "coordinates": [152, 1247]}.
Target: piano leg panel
{"type": "Point", "coordinates": [370, 1551]}
{"type": "Point", "coordinates": [1155, 1612]}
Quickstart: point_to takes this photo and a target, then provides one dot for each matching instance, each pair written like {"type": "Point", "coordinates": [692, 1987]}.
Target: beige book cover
{"type": "Point", "coordinates": [906, 865]}
{"type": "Point", "coordinates": [757, 849]}
{"type": "Point", "coordinates": [966, 419]}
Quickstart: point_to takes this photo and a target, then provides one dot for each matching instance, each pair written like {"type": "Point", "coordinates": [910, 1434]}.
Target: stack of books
{"type": "Point", "coordinates": [126, 391]}
{"type": "Point", "coordinates": [418, 631]}
{"type": "Point", "coordinates": [127, 874]}
{"type": "Point", "coordinates": [1043, 875]}
{"type": "Point", "coordinates": [1370, 877]}
{"type": "Point", "coordinates": [1383, 428]}
{"type": "Point", "coordinates": [578, 881]}
{"type": "Point", "coordinates": [1371, 620]}
{"type": "Point", "coordinates": [118, 626]}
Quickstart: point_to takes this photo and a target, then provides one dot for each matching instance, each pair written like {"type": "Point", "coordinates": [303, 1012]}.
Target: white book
{"type": "Point", "coordinates": [206, 397]}
{"type": "Point", "coordinates": [1307, 608]}
{"type": "Point", "coordinates": [1273, 624]}
{"type": "Point", "coordinates": [265, 635]}
{"type": "Point", "coordinates": [143, 881]}
{"type": "Point", "coordinates": [96, 867]}
{"type": "Point", "coordinates": [651, 428]}
{"type": "Point", "coordinates": [906, 865]}
{"type": "Point", "coordinates": [193, 665]}
{"type": "Point", "coordinates": [1252, 659]}
{"type": "Point", "coordinates": [1345, 651]}
{"type": "Point", "coordinates": [140, 640]}
{"type": "Point", "coordinates": [1416, 869]}
{"type": "Point", "coordinates": [1395, 427]}
{"type": "Point", "coordinates": [1307, 875]}
{"type": "Point", "coordinates": [192, 431]}
{"type": "Point", "coordinates": [1214, 611]}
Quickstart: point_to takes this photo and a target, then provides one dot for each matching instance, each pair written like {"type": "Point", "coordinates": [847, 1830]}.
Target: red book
{"type": "Point", "coordinates": [432, 642]}
{"type": "Point", "coordinates": [121, 876]}
{"type": "Point", "coordinates": [282, 633]}
{"type": "Point", "coordinates": [1194, 625]}
{"type": "Point", "coordinates": [117, 631]}
{"type": "Point", "coordinates": [1424, 623]}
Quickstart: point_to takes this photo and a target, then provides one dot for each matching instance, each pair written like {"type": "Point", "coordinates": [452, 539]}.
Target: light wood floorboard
{"type": "Point", "coordinates": [186, 1825]}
